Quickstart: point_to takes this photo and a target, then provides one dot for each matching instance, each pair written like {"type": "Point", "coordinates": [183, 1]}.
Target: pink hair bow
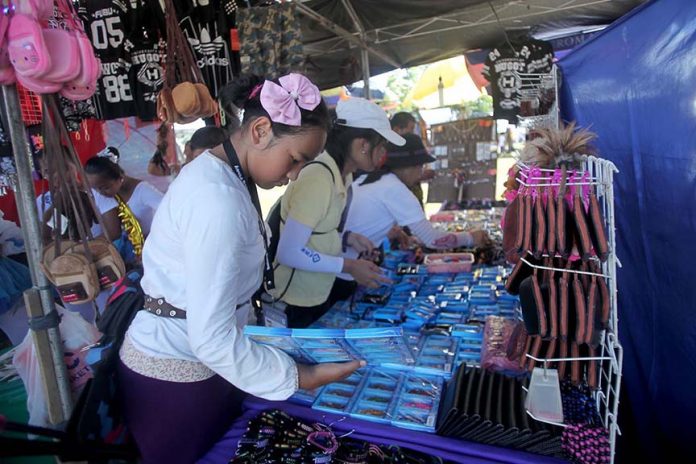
{"type": "Point", "coordinates": [283, 102]}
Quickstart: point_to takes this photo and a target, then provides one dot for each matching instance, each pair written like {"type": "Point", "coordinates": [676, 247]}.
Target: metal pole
{"type": "Point", "coordinates": [31, 228]}
{"type": "Point", "coordinates": [340, 32]}
{"type": "Point", "coordinates": [365, 61]}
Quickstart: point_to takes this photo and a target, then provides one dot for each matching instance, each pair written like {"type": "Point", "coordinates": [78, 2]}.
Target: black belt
{"type": "Point", "coordinates": [159, 307]}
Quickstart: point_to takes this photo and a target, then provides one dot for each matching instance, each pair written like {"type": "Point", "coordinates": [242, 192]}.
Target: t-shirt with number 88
{"type": "Point", "coordinates": [104, 26]}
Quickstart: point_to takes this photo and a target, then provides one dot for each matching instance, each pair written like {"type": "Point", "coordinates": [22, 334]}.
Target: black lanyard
{"type": "Point", "coordinates": [268, 280]}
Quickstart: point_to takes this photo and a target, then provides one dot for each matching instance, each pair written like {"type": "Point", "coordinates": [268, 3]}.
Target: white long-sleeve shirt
{"type": "Point", "coordinates": [204, 255]}
{"type": "Point", "coordinates": [377, 207]}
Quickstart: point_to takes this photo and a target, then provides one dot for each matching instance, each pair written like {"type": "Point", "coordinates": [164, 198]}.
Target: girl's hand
{"type": "Point", "coordinates": [365, 272]}
{"type": "Point", "coordinates": [359, 243]}
{"type": "Point", "coordinates": [315, 376]}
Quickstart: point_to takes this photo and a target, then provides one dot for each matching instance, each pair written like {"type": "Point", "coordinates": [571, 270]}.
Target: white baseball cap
{"type": "Point", "coordinates": [363, 114]}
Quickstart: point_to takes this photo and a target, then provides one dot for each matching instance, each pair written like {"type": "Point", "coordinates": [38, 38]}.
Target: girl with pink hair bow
{"type": "Point", "coordinates": [185, 363]}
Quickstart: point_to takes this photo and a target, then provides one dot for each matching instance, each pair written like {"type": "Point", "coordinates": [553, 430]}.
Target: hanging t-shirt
{"type": "Point", "coordinates": [102, 19]}
{"type": "Point", "coordinates": [145, 51]}
{"type": "Point", "coordinates": [502, 68]}
{"type": "Point", "coordinates": [206, 25]}
{"type": "Point", "coordinates": [146, 74]}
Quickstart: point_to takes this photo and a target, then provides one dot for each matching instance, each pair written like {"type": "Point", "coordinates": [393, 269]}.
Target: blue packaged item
{"type": "Point", "coordinates": [456, 306]}
{"type": "Point", "coordinates": [323, 345]}
{"type": "Point", "coordinates": [431, 289]}
{"type": "Point", "coordinates": [410, 269]}
{"type": "Point", "coordinates": [448, 296]}
{"type": "Point", "coordinates": [335, 399]}
{"type": "Point", "coordinates": [376, 295]}
{"type": "Point", "coordinates": [305, 397]}
{"type": "Point", "coordinates": [278, 337]}
{"type": "Point", "coordinates": [417, 402]}
{"type": "Point", "coordinates": [436, 355]}
{"type": "Point", "coordinates": [401, 298]}
{"type": "Point", "coordinates": [362, 310]}
{"type": "Point", "coordinates": [449, 318]}
{"type": "Point", "coordinates": [375, 345]}
{"type": "Point", "coordinates": [388, 314]}
{"type": "Point", "coordinates": [480, 312]}
{"type": "Point", "coordinates": [405, 286]}
{"type": "Point", "coordinates": [380, 346]}
{"type": "Point", "coordinates": [414, 279]}
{"type": "Point", "coordinates": [482, 294]}
{"type": "Point", "coordinates": [376, 396]}
{"type": "Point", "coordinates": [465, 278]}
{"type": "Point", "coordinates": [456, 288]}
{"type": "Point", "coordinates": [468, 354]}
{"type": "Point", "coordinates": [468, 331]}
{"type": "Point", "coordinates": [438, 279]}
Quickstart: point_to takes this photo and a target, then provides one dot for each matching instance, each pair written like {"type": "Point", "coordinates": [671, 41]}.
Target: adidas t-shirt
{"type": "Point", "coordinates": [207, 29]}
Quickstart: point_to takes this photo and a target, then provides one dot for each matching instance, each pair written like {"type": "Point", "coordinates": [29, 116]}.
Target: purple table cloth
{"type": "Point", "coordinates": [458, 451]}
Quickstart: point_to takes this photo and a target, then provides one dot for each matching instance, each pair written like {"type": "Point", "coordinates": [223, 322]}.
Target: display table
{"type": "Point", "coordinates": [454, 450]}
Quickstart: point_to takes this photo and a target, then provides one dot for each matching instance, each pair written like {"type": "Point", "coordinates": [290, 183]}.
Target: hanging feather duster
{"type": "Point", "coordinates": [553, 148]}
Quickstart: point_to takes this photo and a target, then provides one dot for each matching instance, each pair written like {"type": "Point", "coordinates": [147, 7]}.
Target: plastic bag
{"type": "Point", "coordinates": [503, 345]}
{"type": "Point", "coordinates": [76, 334]}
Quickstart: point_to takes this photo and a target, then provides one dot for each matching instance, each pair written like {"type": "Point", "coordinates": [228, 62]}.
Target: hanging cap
{"type": "Point", "coordinates": [363, 114]}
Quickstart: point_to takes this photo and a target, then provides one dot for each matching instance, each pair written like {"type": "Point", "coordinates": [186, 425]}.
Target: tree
{"type": "Point", "coordinates": [399, 84]}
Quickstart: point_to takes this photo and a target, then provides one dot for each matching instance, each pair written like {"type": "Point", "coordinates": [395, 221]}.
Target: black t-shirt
{"type": "Point", "coordinates": [103, 23]}
{"type": "Point", "coordinates": [144, 50]}
{"type": "Point", "coordinates": [207, 29]}
{"type": "Point", "coordinates": [502, 68]}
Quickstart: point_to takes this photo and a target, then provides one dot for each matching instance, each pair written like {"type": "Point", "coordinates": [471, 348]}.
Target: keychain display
{"type": "Point", "coordinates": [274, 436]}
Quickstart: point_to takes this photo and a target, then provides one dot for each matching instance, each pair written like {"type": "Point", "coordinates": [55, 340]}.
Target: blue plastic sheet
{"type": "Point", "coordinates": [635, 86]}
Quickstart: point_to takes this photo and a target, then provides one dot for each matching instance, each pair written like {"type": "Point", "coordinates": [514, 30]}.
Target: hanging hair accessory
{"type": "Point", "coordinates": [283, 102]}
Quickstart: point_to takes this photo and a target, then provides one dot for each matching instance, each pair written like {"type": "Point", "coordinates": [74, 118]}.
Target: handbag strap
{"type": "Point", "coordinates": [180, 65]}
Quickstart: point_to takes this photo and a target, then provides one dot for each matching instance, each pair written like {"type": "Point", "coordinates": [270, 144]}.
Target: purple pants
{"type": "Point", "coordinates": [175, 422]}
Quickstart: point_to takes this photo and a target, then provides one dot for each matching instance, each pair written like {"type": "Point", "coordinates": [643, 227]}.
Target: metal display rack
{"type": "Point", "coordinates": [610, 357]}
{"type": "Point", "coordinates": [538, 91]}
{"type": "Point", "coordinates": [600, 176]}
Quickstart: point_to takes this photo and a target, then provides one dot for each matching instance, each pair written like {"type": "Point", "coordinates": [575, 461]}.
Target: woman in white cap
{"type": "Point", "coordinates": [312, 221]}
{"type": "Point", "coordinates": [382, 200]}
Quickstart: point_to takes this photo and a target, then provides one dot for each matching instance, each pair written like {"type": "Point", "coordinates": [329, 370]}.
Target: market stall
{"type": "Point", "coordinates": [444, 324]}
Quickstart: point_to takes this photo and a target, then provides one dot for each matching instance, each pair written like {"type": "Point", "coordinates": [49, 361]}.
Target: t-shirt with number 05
{"type": "Point", "coordinates": [103, 21]}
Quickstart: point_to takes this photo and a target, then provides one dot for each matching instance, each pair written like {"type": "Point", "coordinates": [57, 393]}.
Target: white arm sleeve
{"type": "Point", "coordinates": [432, 238]}
{"type": "Point", "coordinates": [212, 237]}
{"type": "Point", "coordinates": [293, 251]}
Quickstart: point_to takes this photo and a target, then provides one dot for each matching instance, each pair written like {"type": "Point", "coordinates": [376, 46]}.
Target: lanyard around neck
{"type": "Point", "coordinates": [268, 280]}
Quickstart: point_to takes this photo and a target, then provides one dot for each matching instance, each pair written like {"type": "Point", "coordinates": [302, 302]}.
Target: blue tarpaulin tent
{"type": "Point", "coordinates": [634, 85]}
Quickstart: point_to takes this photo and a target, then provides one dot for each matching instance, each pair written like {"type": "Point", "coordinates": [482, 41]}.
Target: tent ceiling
{"type": "Point", "coordinates": [404, 33]}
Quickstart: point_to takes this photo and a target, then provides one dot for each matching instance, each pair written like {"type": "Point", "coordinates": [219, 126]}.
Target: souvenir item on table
{"type": "Point", "coordinates": [436, 355]}
{"type": "Point", "coordinates": [376, 346]}
{"type": "Point", "coordinates": [449, 262]}
{"type": "Point", "coordinates": [274, 437]}
{"type": "Point", "coordinates": [488, 407]}
{"type": "Point", "coordinates": [503, 345]}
